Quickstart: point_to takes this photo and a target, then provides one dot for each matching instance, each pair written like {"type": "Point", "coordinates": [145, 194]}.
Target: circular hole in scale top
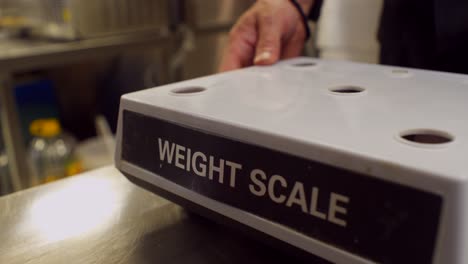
{"type": "Point", "coordinates": [347, 90]}
{"type": "Point", "coordinates": [304, 64]}
{"type": "Point", "coordinates": [188, 90]}
{"type": "Point", "coordinates": [426, 137]}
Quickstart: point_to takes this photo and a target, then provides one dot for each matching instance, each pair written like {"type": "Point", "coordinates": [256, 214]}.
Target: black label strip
{"type": "Point", "coordinates": [375, 219]}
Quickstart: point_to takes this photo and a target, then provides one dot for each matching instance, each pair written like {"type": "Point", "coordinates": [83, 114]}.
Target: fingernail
{"type": "Point", "coordinates": [266, 55]}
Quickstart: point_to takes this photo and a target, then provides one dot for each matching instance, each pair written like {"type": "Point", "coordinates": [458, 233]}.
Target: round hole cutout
{"type": "Point", "coordinates": [188, 90]}
{"type": "Point", "coordinates": [348, 89]}
{"type": "Point", "coordinates": [304, 64]}
{"type": "Point", "coordinates": [426, 137]}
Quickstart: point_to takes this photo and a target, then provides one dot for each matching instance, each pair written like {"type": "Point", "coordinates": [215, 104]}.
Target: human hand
{"type": "Point", "coordinates": [270, 30]}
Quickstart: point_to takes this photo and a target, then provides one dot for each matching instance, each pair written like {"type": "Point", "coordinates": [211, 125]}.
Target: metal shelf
{"type": "Point", "coordinates": [22, 55]}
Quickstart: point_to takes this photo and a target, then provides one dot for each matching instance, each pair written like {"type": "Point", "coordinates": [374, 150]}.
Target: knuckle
{"type": "Point", "coordinates": [267, 43]}
{"type": "Point", "coordinates": [242, 26]}
{"type": "Point", "coordinates": [267, 19]}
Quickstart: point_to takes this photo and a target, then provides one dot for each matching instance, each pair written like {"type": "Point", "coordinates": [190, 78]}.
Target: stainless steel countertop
{"type": "Point", "coordinates": [100, 217]}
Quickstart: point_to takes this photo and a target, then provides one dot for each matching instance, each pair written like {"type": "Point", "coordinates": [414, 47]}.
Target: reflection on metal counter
{"type": "Point", "coordinates": [99, 217]}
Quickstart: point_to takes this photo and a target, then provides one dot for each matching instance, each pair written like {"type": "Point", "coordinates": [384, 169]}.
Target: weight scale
{"type": "Point", "coordinates": [353, 163]}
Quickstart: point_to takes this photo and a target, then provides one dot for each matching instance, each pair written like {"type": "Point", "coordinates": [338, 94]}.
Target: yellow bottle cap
{"type": "Point", "coordinates": [45, 127]}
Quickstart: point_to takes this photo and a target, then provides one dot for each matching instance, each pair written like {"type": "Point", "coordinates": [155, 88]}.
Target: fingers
{"type": "Point", "coordinates": [294, 45]}
{"type": "Point", "coordinates": [270, 30]}
{"type": "Point", "coordinates": [236, 56]}
{"type": "Point", "coordinates": [240, 50]}
{"type": "Point", "coordinates": [269, 40]}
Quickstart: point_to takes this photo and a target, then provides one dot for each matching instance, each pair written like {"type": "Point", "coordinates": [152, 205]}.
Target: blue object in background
{"type": "Point", "coordinates": [35, 99]}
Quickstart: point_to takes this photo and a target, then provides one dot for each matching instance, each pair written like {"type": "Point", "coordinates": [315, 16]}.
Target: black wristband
{"type": "Point", "coordinates": [304, 18]}
{"type": "Point", "coordinates": [314, 13]}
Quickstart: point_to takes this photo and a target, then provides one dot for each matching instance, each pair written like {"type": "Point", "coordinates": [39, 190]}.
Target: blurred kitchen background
{"type": "Point", "coordinates": [65, 63]}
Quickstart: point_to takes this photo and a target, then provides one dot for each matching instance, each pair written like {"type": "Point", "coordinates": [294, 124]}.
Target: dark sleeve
{"type": "Point", "coordinates": [315, 12]}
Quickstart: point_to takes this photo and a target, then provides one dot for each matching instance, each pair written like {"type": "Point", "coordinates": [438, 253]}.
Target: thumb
{"type": "Point", "coordinates": [269, 41]}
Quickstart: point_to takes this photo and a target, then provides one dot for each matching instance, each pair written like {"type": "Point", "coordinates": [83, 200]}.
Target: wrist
{"type": "Point", "coordinates": [303, 16]}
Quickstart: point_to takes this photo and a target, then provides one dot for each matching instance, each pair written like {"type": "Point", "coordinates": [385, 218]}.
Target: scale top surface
{"type": "Point", "coordinates": [294, 99]}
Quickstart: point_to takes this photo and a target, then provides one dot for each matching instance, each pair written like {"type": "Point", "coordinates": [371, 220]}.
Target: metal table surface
{"type": "Point", "coordinates": [100, 217]}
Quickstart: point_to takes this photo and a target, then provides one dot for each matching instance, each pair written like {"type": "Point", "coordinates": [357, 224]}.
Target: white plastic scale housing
{"type": "Point", "coordinates": [340, 114]}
